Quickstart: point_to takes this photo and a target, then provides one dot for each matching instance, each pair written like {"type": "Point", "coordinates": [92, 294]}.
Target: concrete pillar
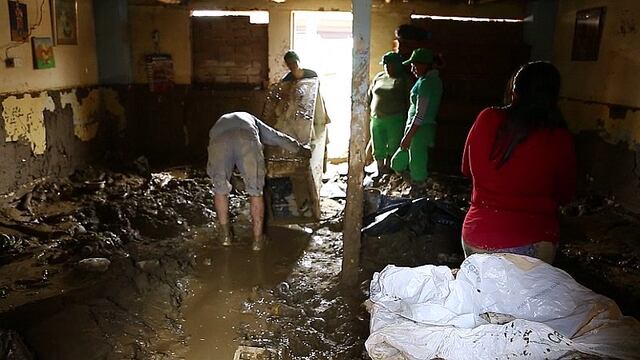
{"type": "Point", "coordinates": [112, 41]}
{"type": "Point", "coordinates": [357, 145]}
{"type": "Point", "coordinates": [279, 42]}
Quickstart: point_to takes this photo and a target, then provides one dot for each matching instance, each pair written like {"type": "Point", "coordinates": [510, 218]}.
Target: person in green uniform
{"type": "Point", "coordinates": [388, 103]}
{"type": "Point", "coordinates": [420, 130]}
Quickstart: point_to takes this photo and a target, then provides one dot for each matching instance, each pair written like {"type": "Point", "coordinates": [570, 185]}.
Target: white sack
{"type": "Point", "coordinates": [424, 313]}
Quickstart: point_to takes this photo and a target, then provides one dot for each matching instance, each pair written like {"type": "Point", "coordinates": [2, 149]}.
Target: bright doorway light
{"type": "Point", "coordinates": [324, 42]}
{"type": "Point", "coordinates": [255, 17]}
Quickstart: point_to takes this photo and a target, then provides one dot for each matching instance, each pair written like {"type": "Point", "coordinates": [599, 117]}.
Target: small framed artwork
{"type": "Point", "coordinates": [43, 53]}
{"type": "Point", "coordinates": [18, 21]}
{"type": "Point", "coordinates": [65, 22]}
{"type": "Point", "coordinates": [587, 34]}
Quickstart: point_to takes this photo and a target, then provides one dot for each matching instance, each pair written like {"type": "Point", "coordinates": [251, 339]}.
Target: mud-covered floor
{"type": "Point", "coordinates": [110, 265]}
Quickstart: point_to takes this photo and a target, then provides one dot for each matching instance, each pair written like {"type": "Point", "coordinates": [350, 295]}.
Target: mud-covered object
{"type": "Point", "coordinates": [12, 347]}
{"type": "Point", "coordinates": [418, 216]}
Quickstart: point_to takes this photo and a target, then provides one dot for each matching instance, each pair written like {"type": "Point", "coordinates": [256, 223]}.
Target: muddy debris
{"type": "Point", "coordinates": [309, 316]}
{"type": "Point", "coordinates": [128, 233]}
{"type": "Point", "coordinates": [94, 264]}
{"type": "Point", "coordinates": [154, 232]}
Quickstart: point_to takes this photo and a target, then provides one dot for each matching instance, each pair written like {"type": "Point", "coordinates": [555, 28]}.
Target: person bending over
{"type": "Point", "coordinates": [236, 140]}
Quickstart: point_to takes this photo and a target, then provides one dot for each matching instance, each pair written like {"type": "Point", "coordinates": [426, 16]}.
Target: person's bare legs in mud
{"type": "Point", "coordinates": [221, 203]}
{"type": "Point", "coordinates": [257, 221]}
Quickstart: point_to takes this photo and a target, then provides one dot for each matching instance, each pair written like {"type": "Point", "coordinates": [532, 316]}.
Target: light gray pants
{"type": "Point", "coordinates": [239, 148]}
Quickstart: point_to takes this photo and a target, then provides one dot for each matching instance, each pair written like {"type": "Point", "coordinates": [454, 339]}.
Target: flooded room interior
{"type": "Point", "coordinates": [312, 180]}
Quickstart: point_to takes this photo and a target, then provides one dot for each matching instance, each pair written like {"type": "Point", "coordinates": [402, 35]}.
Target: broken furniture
{"type": "Point", "coordinates": [293, 182]}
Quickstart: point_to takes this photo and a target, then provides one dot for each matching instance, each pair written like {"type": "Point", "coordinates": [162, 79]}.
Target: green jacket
{"type": "Point", "coordinates": [425, 98]}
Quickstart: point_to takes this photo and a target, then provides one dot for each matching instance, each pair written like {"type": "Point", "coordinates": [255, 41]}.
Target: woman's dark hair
{"type": "Point", "coordinates": [536, 87]}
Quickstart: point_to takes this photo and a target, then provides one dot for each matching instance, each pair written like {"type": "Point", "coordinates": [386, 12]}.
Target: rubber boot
{"type": "Point", "coordinates": [225, 234]}
{"type": "Point", "coordinates": [258, 242]}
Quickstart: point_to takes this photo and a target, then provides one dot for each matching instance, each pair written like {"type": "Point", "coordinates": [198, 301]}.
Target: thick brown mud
{"type": "Point", "coordinates": [170, 291]}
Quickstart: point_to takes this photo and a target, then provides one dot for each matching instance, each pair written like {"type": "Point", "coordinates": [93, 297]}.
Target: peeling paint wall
{"type": "Point", "coordinates": [85, 112]}
{"type": "Point", "coordinates": [24, 120]}
{"type": "Point", "coordinates": [601, 99]}
{"type": "Point", "coordinates": [51, 133]}
{"type": "Point", "coordinates": [88, 110]}
{"type": "Point", "coordinates": [51, 120]}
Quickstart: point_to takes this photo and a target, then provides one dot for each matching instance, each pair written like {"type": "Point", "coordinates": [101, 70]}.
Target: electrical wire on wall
{"type": "Point", "coordinates": [15, 44]}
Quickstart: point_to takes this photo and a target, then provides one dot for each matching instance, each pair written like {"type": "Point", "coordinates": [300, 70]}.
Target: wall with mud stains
{"type": "Point", "coordinates": [601, 99]}
{"type": "Point", "coordinates": [173, 26]}
{"type": "Point", "coordinates": [180, 119]}
{"type": "Point", "coordinates": [51, 120]}
{"type": "Point", "coordinates": [173, 127]}
{"type": "Point", "coordinates": [52, 132]}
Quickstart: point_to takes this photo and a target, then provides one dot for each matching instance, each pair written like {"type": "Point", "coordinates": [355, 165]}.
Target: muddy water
{"type": "Point", "coordinates": [225, 278]}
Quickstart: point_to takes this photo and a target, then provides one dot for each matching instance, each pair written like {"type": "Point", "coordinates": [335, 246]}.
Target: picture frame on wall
{"type": "Point", "coordinates": [587, 34]}
{"type": "Point", "coordinates": [42, 48]}
{"type": "Point", "coordinates": [18, 21]}
{"type": "Point", "coordinates": [159, 72]}
{"type": "Point", "coordinates": [64, 18]}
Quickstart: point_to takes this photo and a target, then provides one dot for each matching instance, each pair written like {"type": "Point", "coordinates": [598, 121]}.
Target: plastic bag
{"type": "Point", "coordinates": [425, 313]}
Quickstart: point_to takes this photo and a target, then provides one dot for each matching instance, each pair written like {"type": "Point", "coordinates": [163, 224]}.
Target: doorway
{"type": "Point", "coordinates": [324, 42]}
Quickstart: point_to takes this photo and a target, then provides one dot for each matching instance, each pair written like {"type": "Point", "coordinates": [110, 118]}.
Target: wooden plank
{"type": "Point", "coordinates": [353, 212]}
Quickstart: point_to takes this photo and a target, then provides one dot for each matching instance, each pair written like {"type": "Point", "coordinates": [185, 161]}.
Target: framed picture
{"type": "Point", "coordinates": [43, 53]}
{"type": "Point", "coordinates": [587, 34]}
{"type": "Point", "coordinates": [159, 72]}
{"type": "Point", "coordinates": [18, 21]}
{"type": "Point", "coordinates": [64, 15]}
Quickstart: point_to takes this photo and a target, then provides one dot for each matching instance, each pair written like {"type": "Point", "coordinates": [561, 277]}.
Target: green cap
{"type": "Point", "coordinates": [391, 58]}
{"type": "Point", "coordinates": [291, 55]}
{"type": "Point", "coordinates": [420, 56]}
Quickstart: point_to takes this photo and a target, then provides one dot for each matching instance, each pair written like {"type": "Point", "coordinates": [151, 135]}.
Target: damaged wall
{"type": "Point", "coordinates": [173, 24]}
{"type": "Point", "coordinates": [180, 128]}
{"type": "Point", "coordinates": [601, 99]}
{"type": "Point", "coordinates": [50, 117]}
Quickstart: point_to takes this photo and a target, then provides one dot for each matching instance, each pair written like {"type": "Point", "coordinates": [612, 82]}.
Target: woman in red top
{"type": "Point", "coordinates": [521, 160]}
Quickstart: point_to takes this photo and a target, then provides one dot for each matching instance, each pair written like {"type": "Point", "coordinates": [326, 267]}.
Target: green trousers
{"type": "Point", "coordinates": [386, 134]}
{"type": "Point", "coordinates": [418, 154]}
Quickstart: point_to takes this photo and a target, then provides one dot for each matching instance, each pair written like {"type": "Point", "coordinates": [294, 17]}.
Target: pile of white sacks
{"type": "Point", "coordinates": [497, 306]}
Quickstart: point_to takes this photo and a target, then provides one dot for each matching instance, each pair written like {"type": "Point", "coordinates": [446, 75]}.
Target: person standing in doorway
{"type": "Point", "coordinates": [388, 103]}
{"type": "Point", "coordinates": [292, 60]}
{"type": "Point", "coordinates": [521, 160]}
{"type": "Point", "coordinates": [235, 140]}
{"type": "Point", "coordinates": [420, 130]}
